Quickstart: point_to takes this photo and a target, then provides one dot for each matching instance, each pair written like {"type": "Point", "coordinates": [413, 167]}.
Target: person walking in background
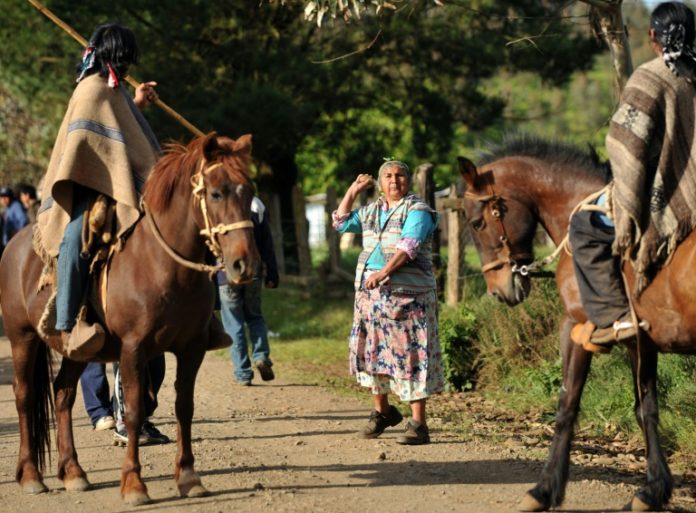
{"type": "Point", "coordinates": [27, 196]}
{"type": "Point", "coordinates": [14, 217]}
{"type": "Point", "coordinates": [241, 304]}
{"type": "Point", "coordinates": [107, 412]}
{"type": "Point", "coordinates": [394, 343]}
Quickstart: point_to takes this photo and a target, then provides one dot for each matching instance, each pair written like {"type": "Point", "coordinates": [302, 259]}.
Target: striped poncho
{"type": "Point", "coordinates": [652, 149]}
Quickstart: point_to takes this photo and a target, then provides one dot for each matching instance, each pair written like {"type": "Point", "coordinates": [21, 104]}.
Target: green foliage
{"type": "Point", "coordinates": [458, 331]}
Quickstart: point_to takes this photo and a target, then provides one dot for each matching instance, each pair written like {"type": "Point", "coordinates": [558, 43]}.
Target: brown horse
{"type": "Point", "coordinates": [527, 182]}
{"type": "Point", "coordinates": [153, 304]}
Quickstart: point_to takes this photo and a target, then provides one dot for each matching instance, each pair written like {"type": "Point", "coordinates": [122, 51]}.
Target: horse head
{"type": "Point", "coordinates": [224, 192]}
{"type": "Point", "coordinates": [502, 228]}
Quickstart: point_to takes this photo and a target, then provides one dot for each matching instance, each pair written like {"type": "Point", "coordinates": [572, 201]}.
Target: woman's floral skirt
{"type": "Point", "coordinates": [394, 343]}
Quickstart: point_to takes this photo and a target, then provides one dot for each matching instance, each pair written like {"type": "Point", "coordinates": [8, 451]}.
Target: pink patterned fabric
{"type": "Point", "coordinates": [409, 246]}
{"type": "Point", "coordinates": [397, 335]}
{"type": "Point", "coordinates": [338, 219]}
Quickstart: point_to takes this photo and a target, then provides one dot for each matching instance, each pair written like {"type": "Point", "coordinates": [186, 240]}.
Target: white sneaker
{"type": "Point", "coordinates": [106, 422]}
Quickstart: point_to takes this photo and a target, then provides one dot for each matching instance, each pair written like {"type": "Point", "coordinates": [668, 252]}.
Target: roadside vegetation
{"type": "Point", "coordinates": [508, 356]}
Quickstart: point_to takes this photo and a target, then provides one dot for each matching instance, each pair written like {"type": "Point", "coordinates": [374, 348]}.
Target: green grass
{"type": "Point", "coordinates": [507, 354]}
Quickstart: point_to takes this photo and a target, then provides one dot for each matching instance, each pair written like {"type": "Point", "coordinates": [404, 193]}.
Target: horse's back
{"type": "Point", "coordinates": [20, 269]}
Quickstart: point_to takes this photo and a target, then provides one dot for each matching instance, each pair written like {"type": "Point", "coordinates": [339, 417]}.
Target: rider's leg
{"type": "Point", "coordinates": [597, 270]}
{"type": "Point", "coordinates": [73, 270]}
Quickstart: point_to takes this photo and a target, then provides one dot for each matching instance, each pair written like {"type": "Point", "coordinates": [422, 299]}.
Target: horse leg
{"type": "Point", "coordinates": [65, 390]}
{"type": "Point", "coordinates": [550, 490]}
{"type": "Point", "coordinates": [132, 367]}
{"type": "Point", "coordinates": [31, 384]}
{"type": "Point", "coordinates": [658, 488]}
{"type": "Point", "coordinates": [187, 480]}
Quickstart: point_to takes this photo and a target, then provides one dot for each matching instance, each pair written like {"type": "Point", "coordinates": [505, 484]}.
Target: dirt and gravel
{"type": "Point", "coordinates": [283, 446]}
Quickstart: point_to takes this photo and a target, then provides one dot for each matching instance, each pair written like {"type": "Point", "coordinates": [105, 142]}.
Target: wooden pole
{"type": "Point", "coordinates": [301, 233]}
{"type": "Point", "coordinates": [77, 37]}
{"type": "Point", "coordinates": [455, 250]}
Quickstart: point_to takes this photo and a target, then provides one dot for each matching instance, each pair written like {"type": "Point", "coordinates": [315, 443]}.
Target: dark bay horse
{"type": "Point", "coordinates": [153, 304]}
{"type": "Point", "coordinates": [527, 182]}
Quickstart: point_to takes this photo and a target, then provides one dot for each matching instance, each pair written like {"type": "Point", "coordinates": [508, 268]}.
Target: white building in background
{"type": "Point", "coordinates": [314, 212]}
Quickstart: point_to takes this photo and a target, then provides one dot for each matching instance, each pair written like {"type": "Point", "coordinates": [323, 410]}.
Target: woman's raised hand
{"type": "Point", "coordinates": [362, 182]}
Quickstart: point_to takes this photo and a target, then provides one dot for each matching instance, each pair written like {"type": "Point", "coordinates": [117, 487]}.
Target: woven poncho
{"type": "Point", "coordinates": [105, 144]}
{"type": "Point", "coordinates": [652, 149]}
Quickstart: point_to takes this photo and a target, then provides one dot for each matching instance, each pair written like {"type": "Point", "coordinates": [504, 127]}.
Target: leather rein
{"type": "Point", "coordinates": [209, 232]}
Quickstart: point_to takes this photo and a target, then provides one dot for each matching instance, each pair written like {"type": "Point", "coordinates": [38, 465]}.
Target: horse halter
{"type": "Point", "coordinates": [211, 233]}
{"type": "Point", "coordinates": [505, 254]}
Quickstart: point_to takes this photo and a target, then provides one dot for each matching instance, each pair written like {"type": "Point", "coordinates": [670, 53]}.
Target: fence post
{"type": "Point", "coordinates": [304, 259]}
{"type": "Point", "coordinates": [456, 235]}
{"type": "Point", "coordinates": [272, 203]}
{"type": "Point", "coordinates": [332, 235]}
{"type": "Point", "coordinates": [424, 185]}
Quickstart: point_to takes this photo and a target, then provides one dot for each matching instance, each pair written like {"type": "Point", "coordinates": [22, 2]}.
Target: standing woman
{"type": "Point", "coordinates": [394, 342]}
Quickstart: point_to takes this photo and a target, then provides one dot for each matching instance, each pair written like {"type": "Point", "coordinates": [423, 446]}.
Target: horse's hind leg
{"type": "Point", "coordinates": [65, 389]}
{"type": "Point", "coordinates": [31, 385]}
{"type": "Point", "coordinates": [550, 490]}
{"type": "Point", "coordinates": [658, 489]}
{"type": "Point", "coordinates": [187, 480]}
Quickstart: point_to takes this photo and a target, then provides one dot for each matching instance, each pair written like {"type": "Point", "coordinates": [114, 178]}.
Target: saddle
{"type": "Point", "coordinates": [98, 245]}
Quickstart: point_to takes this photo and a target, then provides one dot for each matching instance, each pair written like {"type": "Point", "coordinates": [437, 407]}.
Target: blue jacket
{"type": "Point", "coordinates": [14, 219]}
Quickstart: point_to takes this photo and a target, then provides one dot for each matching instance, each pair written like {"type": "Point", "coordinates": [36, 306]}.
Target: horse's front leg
{"type": "Point", "coordinates": [658, 489]}
{"type": "Point", "coordinates": [550, 490]}
{"type": "Point", "coordinates": [132, 369]}
{"type": "Point", "coordinates": [187, 480]}
{"type": "Point", "coordinates": [65, 390]}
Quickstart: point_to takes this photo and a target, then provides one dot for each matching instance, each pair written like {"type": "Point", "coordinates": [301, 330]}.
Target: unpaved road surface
{"type": "Point", "coordinates": [288, 447]}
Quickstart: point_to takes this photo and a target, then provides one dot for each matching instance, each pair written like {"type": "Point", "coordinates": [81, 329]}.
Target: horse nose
{"type": "Point", "coordinates": [239, 266]}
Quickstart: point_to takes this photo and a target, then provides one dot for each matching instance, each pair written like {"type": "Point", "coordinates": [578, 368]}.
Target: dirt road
{"type": "Point", "coordinates": [286, 447]}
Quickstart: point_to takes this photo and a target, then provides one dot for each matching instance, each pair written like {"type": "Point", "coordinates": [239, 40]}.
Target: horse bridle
{"type": "Point", "coordinates": [505, 254]}
{"type": "Point", "coordinates": [209, 232]}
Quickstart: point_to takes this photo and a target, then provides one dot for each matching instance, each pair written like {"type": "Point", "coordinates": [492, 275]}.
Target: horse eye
{"type": "Point", "coordinates": [216, 195]}
{"type": "Point", "coordinates": [478, 224]}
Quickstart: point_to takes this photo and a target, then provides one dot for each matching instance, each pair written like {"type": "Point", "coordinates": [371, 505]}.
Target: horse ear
{"type": "Point", "coordinates": [210, 145]}
{"type": "Point", "coordinates": [243, 144]}
{"type": "Point", "coordinates": [468, 171]}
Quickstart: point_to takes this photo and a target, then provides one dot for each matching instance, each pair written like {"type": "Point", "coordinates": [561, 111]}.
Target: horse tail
{"type": "Point", "coordinates": [42, 417]}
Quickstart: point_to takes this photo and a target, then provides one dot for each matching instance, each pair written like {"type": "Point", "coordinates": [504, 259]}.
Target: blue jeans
{"type": "Point", "coordinates": [95, 392]}
{"type": "Point", "coordinates": [73, 270]}
{"type": "Point", "coordinates": [98, 400]}
{"type": "Point", "coordinates": [239, 305]}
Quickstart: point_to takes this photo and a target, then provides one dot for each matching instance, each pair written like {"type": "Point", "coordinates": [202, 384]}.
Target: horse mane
{"type": "Point", "coordinates": [180, 162]}
{"type": "Point", "coordinates": [526, 145]}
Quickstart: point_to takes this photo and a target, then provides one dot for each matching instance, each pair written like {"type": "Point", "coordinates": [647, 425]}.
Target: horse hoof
{"type": "Point", "coordinates": [34, 487]}
{"type": "Point", "coordinates": [195, 491]}
{"type": "Point", "coordinates": [136, 498]}
{"type": "Point", "coordinates": [638, 505]}
{"type": "Point", "coordinates": [529, 503]}
{"type": "Point", "coordinates": [78, 484]}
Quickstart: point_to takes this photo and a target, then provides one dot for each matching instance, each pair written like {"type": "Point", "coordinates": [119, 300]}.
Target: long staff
{"type": "Point", "coordinates": [77, 37]}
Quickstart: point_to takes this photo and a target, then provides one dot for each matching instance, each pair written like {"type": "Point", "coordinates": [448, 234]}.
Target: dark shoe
{"type": "Point", "coordinates": [620, 330]}
{"type": "Point", "coordinates": [121, 437]}
{"type": "Point", "coordinates": [153, 435]}
{"type": "Point", "coordinates": [379, 422]}
{"type": "Point", "coordinates": [415, 434]}
{"type": "Point", "coordinates": [265, 370]}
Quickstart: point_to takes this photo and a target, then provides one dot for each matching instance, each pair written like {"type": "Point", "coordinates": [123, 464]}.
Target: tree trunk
{"type": "Point", "coordinates": [607, 21]}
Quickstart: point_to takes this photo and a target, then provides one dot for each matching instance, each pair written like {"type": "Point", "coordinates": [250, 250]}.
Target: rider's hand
{"type": "Point", "coordinates": [145, 94]}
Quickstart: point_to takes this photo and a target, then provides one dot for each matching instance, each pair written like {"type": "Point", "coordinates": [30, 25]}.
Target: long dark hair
{"type": "Point", "coordinates": [674, 27]}
{"type": "Point", "coordinates": [114, 45]}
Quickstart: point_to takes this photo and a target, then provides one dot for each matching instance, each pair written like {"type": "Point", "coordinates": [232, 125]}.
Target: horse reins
{"type": "Point", "coordinates": [209, 232]}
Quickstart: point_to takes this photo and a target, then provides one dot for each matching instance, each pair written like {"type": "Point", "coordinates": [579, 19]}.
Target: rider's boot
{"type": "Point", "coordinates": [217, 336]}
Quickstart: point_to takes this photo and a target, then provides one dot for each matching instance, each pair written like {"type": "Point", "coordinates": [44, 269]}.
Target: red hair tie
{"type": "Point", "coordinates": [113, 78]}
